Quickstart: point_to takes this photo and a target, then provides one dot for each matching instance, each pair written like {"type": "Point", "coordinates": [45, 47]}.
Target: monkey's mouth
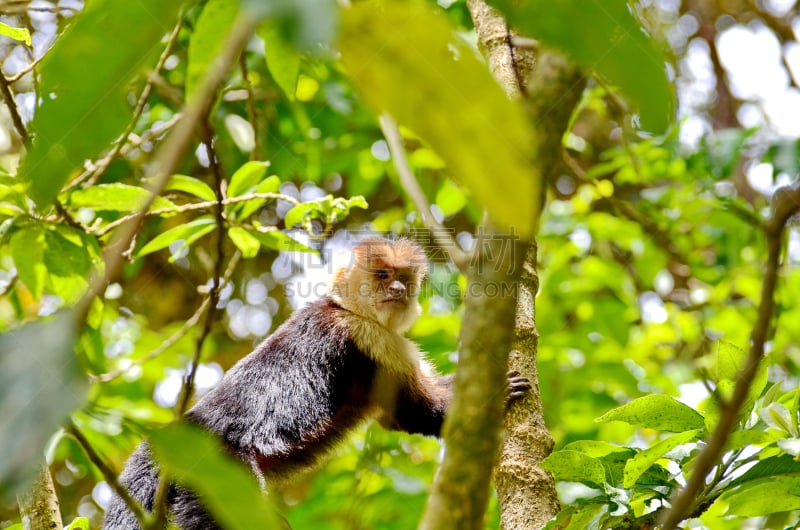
{"type": "Point", "coordinates": [390, 300]}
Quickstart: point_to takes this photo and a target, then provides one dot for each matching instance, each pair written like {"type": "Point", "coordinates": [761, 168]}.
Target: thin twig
{"type": "Point", "coordinates": [441, 235]}
{"type": "Point", "coordinates": [11, 103]}
{"type": "Point", "coordinates": [19, 75]}
{"type": "Point", "coordinates": [90, 177]}
{"type": "Point", "coordinates": [786, 203]}
{"type": "Point", "coordinates": [188, 207]}
{"type": "Point", "coordinates": [108, 474]}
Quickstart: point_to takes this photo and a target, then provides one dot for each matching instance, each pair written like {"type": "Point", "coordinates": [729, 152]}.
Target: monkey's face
{"type": "Point", "coordinates": [383, 282]}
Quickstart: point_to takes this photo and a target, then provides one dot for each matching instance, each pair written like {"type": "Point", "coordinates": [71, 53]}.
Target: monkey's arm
{"type": "Point", "coordinates": [419, 407]}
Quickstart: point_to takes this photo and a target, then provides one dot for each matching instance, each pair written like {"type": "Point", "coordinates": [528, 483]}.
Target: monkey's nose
{"type": "Point", "coordinates": [397, 289]}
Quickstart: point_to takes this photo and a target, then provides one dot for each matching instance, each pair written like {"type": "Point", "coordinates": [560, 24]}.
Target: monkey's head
{"type": "Point", "coordinates": [382, 281]}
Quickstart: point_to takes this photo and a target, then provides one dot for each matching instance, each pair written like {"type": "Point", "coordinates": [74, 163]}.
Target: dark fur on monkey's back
{"type": "Point", "coordinates": [280, 407]}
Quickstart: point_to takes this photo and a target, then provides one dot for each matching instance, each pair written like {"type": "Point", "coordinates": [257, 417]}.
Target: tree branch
{"type": "Point", "coordinates": [39, 508]}
{"type": "Point", "coordinates": [11, 103]}
{"type": "Point", "coordinates": [551, 87]}
{"type": "Point", "coordinates": [188, 207]}
{"type": "Point", "coordinates": [108, 474]}
{"type": "Point", "coordinates": [460, 489]}
{"type": "Point", "coordinates": [439, 232]}
{"type": "Point", "coordinates": [785, 203]}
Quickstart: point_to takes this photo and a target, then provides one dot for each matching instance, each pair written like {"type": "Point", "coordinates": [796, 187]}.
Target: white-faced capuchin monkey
{"type": "Point", "coordinates": [333, 364]}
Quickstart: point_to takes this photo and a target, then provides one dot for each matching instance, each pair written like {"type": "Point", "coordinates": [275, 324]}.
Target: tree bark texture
{"type": "Point", "coordinates": [460, 490]}
{"type": "Point", "coordinates": [39, 508]}
{"type": "Point", "coordinates": [551, 87]}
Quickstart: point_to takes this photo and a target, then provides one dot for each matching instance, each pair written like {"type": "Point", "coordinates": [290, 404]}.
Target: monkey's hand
{"type": "Point", "coordinates": [518, 386]}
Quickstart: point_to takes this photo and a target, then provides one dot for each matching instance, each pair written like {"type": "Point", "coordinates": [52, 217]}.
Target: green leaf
{"type": "Point", "coordinates": [65, 254]}
{"type": "Point", "coordinates": [490, 147]}
{"type": "Point", "coordinates": [208, 37]}
{"type": "Point", "coordinates": [765, 496]}
{"type": "Point", "coordinates": [116, 197]}
{"type": "Point", "coordinates": [657, 411]}
{"type": "Point", "coordinates": [450, 198]}
{"type": "Point", "coordinates": [84, 84]}
{"type": "Point", "coordinates": [729, 360]}
{"type": "Point", "coordinates": [27, 251]}
{"type": "Point", "coordinates": [20, 34]}
{"type": "Point", "coordinates": [330, 209]}
{"type": "Point", "coordinates": [603, 36]}
{"type": "Point", "coordinates": [244, 241]}
{"type": "Point", "coordinates": [189, 233]}
{"type": "Point", "coordinates": [283, 61]}
{"type": "Point", "coordinates": [41, 381]}
{"type": "Point", "coordinates": [640, 463]}
{"type": "Point", "coordinates": [79, 523]}
{"type": "Point", "coordinates": [277, 240]}
{"type": "Point", "coordinates": [192, 186]}
{"type": "Point", "coordinates": [245, 209]}
{"type": "Point", "coordinates": [595, 448]}
{"type": "Point", "coordinates": [310, 24]}
{"type": "Point", "coordinates": [198, 460]}
{"type": "Point", "coordinates": [247, 177]}
{"type": "Point", "coordinates": [588, 516]}
{"type": "Point", "coordinates": [777, 416]}
{"type": "Point", "coordinates": [773, 466]}
{"type": "Point", "coordinates": [741, 439]}
{"type": "Point", "coordinates": [573, 466]}
{"type": "Point", "coordinates": [298, 213]}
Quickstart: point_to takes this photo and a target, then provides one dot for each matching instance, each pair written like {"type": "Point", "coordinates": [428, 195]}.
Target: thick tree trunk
{"type": "Point", "coordinates": [39, 507]}
{"type": "Point", "coordinates": [551, 87]}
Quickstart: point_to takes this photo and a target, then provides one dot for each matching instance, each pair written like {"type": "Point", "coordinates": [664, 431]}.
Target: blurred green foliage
{"type": "Point", "coordinates": [650, 255]}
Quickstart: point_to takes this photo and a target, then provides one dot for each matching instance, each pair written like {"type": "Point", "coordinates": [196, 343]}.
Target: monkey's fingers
{"type": "Point", "coordinates": [517, 387]}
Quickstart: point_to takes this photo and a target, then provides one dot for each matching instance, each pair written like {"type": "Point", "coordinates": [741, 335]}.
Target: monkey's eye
{"type": "Point", "coordinates": [382, 274]}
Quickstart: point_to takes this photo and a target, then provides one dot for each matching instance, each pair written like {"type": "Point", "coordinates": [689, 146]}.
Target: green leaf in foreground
{"type": "Point", "coordinates": [197, 459]}
{"type": "Point", "coordinates": [248, 244]}
{"type": "Point", "coordinates": [603, 36]}
{"type": "Point", "coordinates": [765, 496]}
{"type": "Point", "coordinates": [116, 197]}
{"type": "Point", "coordinates": [41, 381]}
{"type": "Point", "coordinates": [188, 233]}
{"type": "Point", "coordinates": [27, 251]}
{"type": "Point", "coordinates": [192, 186]}
{"type": "Point", "coordinates": [208, 37]}
{"type": "Point", "coordinates": [283, 60]}
{"type": "Point", "coordinates": [640, 463]}
{"type": "Point", "coordinates": [455, 105]}
{"type": "Point", "coordinates": [20, 34]}
{"type": "Point", "coordinates": [574, 466]}
{"type": "Point", "coordinates": [657, 411]}
{"type": "Point", "coordinates": [79, 523]}
{"type": "Point", "coordinates": [247, 177]}
{"type": "Point", "coordinates": [84, 83]}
